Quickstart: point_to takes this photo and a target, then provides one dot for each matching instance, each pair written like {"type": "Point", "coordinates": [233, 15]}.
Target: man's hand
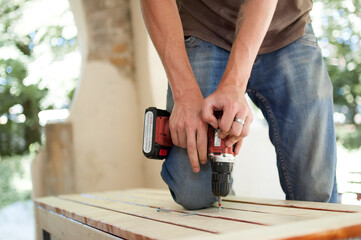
{"type": "Point", "coordinates": [253, 21]}
{"type": "Point", "coordinates": [187, 128]}
{"type": "Point", "coordinates": [232, 102]}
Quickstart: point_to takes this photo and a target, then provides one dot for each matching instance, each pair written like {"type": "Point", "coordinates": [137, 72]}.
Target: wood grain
{"type": "Point", "coordinates": [233, 215]}
{"type": "Point", "coordinates": [122, 225]}
{"type": "Point", "coordinates": [152, 214]}
{"type": "Point", "coordinates": [337, 227]}
{"type": "Point", "coordinates": [333, 207]}
{"type": "Point", "coordinates": [61, 228]}
{"type": "Point", "coordinates": [276, 208]}
{"type": "Point", "coordinates": [214, 223]}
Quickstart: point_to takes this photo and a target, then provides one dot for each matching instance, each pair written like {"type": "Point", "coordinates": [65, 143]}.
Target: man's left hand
{"type": "Point", "coordinates": [231, 100]}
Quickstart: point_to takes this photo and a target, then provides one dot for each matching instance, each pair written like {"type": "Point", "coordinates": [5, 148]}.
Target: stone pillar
{"type": "Point", "coordinates": [109, 33]}
{"type": "Point", "coordinates": [105, 111]}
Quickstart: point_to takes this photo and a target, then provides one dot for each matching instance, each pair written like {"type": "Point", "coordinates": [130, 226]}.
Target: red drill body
{"type": "Point", "coordinates": [157, 143]}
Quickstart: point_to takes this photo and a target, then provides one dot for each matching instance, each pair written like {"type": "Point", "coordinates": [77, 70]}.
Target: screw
{"type": "Point", "coordinates": [162, 210]}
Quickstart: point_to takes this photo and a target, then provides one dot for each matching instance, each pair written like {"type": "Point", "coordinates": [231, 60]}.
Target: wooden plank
{"type": "Point", "coordinates": [305, 213]}
{"type": "Point", "coordinates": [165, 201]}
{"type": "Point", "coordinates": [214, 222]}
{"type": "Point", "coordinates": [337, 227]}
{"type": "Point", "coordinates": [62, 228]}
{"type": "Point", "coordinates": [110, 202]}
{"type": "Point", "coordinates": [304, 205]}
{"type": "Point", "coordinates": [133, 214]}
{"type": "Point", "coordinates": [333, 207]}
{"type": "Point", "coordinates": [158, 193]}
{"type": "Point", "coordinates": [125, 225]}
{"type": "Point", "coordinates": [162, 193]}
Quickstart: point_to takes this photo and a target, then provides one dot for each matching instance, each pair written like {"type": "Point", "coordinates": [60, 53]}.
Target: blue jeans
{"type": "Point", "coordinates": [292, 88]}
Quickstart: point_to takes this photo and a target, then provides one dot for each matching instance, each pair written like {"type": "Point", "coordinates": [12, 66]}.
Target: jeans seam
{"type": "Point", "coordinates": [277, 140]}
{"type": "Point", "coordinates": [308, 40]}
{"type": "Point", "coordinates": [192, 42]}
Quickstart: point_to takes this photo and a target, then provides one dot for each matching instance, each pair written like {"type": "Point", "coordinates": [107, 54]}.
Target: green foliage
{"type": "Point", "coordinates": [20, 102]}
{"type": "Point", "coordinates": [341, 24]}
{"type": "Point", "coordinates": [19, 123]}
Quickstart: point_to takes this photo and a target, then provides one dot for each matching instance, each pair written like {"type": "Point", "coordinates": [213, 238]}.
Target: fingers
{"type": "Point", "coordinates": [207, 113]}
{"type": "Point", "coordinates": [192, 150]}
{"type": "Point", "coordinates": [226, 121]}
{"type": "Point", "coordinates": [246, 126]}
{"type": "Point", "coordinates": [237, 127]}
{"type": "Point", "coordinates": [173, 133]}
{"type": "Point", "coordinates": [238, 146]}
{"type": "Point", "coordinates": [192, 135]}
{"type": "Point", "coordinates": [202, 143]}
{"type": "Point", "coordinates": [178, 132]}
{"type": "Point", "coordinates": [239, 131]}
{"type": "Point", "coordinates": [182, 137]}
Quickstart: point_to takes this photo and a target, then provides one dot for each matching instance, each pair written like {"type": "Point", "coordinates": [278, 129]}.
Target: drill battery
{"type": "Point", "coordinates": [156, 136]}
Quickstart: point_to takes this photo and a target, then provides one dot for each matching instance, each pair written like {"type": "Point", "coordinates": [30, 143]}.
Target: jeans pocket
{"type": "Point", "coordinates": [309, 40]}
{"type": "Point", "coordinates": [191, 41]}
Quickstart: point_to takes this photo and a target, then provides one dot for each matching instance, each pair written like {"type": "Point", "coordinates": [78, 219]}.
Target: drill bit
{"type": "Point", "coordinates": [219, 203]}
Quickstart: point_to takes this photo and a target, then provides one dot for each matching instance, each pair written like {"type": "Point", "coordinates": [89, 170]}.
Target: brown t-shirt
{"type": "Point", "coordinates": [214, 21]}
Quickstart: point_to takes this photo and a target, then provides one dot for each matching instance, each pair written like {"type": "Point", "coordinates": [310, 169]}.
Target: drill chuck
{"type": "Point", "coordinates": [221, 178]}
{"type": "Point", "coordinates": [222, 159]}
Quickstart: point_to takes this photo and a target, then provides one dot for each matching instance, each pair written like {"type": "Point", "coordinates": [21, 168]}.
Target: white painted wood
{"type": "Point", "coordinates": [62, 228]}
{"type": "Point", "coordinates": [133, 214]}
{"type": "Point", "coordinates": [129, 226]}
{"type": "Point", "coordinates": [337, 227]}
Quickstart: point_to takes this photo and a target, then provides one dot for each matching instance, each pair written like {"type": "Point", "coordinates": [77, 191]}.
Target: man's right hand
{"type": "Point", "coordinates": [186, 125]}
{"type": "Point", "coordinates": [187, 128]}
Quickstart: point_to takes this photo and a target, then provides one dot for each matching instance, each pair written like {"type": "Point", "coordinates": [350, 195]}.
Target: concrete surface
{"type": "Point", "coordinates": [17, 221]}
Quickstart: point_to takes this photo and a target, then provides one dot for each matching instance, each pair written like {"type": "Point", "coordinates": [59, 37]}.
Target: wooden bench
{"type": "Point", "coordinates": [152, 214]}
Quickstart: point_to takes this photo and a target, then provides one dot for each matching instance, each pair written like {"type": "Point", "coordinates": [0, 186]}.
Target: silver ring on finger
{"type": "Point", "coordinates": [239, 120]}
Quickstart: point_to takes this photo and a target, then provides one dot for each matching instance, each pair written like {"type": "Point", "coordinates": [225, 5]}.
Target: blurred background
{"type": "Point", "coordinates": [75, 78]}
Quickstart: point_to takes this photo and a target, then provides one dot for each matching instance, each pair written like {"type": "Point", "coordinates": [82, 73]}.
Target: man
{"type": "Point", "coordinates": [213, 53]}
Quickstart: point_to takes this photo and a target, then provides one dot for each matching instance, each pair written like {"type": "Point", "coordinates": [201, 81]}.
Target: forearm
{"type": "Point", "coordinates": [253, 22]}
{"type": "Point", "coordinates": [165, 29]}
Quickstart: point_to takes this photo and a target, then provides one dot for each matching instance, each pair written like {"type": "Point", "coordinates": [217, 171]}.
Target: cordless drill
{"type": "Point", "coordinates": [157, 143]}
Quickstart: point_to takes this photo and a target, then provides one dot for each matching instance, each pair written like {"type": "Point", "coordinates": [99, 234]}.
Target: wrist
{"type": "Point", "coordinates": [185, 91]}
{"type": "Point", "coordinates": [237, 74]}
{"type": "Point", "coordinates": [237, 79]}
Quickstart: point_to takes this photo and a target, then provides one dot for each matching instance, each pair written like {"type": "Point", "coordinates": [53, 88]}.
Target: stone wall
{"type": "Point", "coordinates": [109, 33]}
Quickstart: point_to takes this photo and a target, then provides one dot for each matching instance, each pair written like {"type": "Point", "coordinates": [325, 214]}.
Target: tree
{"type": "Point", "coordinates": [340, 43]}
{"type": "Point", "coordinates": [20, 102]}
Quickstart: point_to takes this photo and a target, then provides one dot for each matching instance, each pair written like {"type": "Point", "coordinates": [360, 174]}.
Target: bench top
{"type": "Point", "coordinates": [152, 214]}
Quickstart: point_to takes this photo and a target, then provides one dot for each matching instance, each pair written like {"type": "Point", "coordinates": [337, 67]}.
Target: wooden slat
{"type": "Point", "coordinates": [306, 213]}
{"type": "Point", "coordinates": [61, 227]}
{"type": "Point", "coordinates": [118, 224]}
{"type": "Point", "coordinates": [337, 227]}
{"type": "Point", "coordinates": [166, 201]}
{"type": "Point", "coordinates": [297, 204]}
{"type": "Point", "coordinates": [207, 223]}
{"type": "Point", "coordinates": [232, 215]}
{"type": "Point", "coordinates": [132, 214]}
{"type": "Point", "coordinates": [266, 202]}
